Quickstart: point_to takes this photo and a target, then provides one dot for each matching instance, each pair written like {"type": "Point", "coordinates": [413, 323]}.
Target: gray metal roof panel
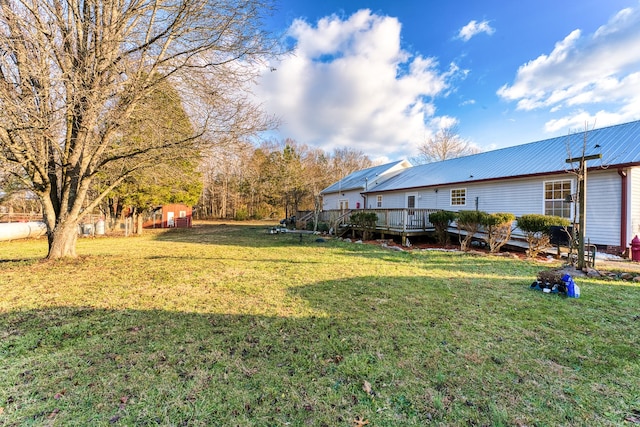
{"type": "Point", "coordinates": [619, 145]}
{"type": "Point", "coordinates": [358, 180]}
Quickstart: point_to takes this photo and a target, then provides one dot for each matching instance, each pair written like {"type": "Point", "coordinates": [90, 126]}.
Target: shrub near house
{"type": "Point", "coordinates": [365, 221]}
{"type": "Point", "coordinates": [469, 222]}
{"type": "Point", "coordinates": [441, 220]}
{"type": "Point", "coordinates": [498, 227]}
{"type": "Point", "coordinates": [537, 229]}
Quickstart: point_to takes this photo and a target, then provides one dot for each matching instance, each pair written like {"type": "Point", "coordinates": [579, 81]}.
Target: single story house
{"type": "Point", "coordinates": [350, 191]}
{"type": "Point", "coordinates": [536, 178]}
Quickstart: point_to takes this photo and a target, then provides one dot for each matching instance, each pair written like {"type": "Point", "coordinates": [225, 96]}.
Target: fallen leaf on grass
{"type": "Point", "coordinates": [1, 410]}
{"type": "Point", "coordinates": [367, 388]}
{"type": "Point", "coordinates": [360, 422]}
{"type": "Point", "coordinates": [123, 402]}
{"type": "Point", "coordinates": [336, 359]}
{"type": "Point", "coordinates": [634, 417]}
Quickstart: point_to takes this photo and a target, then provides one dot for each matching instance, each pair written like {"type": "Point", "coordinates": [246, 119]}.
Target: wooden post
{"type": "Point", "coordinates": [582, 203]}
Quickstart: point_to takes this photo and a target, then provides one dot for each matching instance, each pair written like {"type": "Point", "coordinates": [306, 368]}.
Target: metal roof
{"type": "Point", "coordinates": [619, 145]}
{"type": "Point", "coordinates": [362, 179]}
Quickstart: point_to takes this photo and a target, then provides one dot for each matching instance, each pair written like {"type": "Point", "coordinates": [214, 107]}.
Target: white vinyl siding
{"type": "Point", "coordinates": [604, 210]}
{"type": "Point", "coordinates": [394, 200]}
{"type": "Point", "coordinates": [332, 201]}
{"type": "Point", "coordinates": [518, 196]}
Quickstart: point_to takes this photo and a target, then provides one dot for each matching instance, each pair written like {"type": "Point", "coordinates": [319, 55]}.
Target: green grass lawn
{"type": "Point", "coordinates": [226, 325]}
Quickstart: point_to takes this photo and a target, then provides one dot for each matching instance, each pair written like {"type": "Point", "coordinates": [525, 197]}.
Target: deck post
{"type": "Point", "coordinates": [405, 218]}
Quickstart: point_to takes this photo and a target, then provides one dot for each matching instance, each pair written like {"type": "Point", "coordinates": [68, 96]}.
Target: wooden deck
{"type": "Point", "coordinates": [403, 222]}
{"type": "Point", "coordinates": [392, 222]}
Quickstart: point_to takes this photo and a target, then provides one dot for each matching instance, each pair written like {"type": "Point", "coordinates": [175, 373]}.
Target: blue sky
{"type": "Point", "coordinates": [383, 76]}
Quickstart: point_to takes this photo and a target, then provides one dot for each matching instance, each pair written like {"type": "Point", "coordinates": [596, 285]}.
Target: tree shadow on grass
{"type": "Point", "coordinates": [98, 367]}
{"type": "Point", "coordinates": [239, 234]}
{"type": "Point", "coordinates": [394, 351]}
{"type": "Point", "coordinates": [257, 237]}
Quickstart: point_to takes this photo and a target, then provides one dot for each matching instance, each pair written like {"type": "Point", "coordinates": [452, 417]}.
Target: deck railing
{"type": "Point", "coordinates": [403, 220]}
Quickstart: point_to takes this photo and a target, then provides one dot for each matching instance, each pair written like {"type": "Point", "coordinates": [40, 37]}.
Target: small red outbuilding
{"type": "Point", "coordinates": [171, 216]}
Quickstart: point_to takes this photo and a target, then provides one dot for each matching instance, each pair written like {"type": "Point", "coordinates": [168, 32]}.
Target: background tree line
{"type": "Point", "coordinates": [109, 104]}
{"type": "Point", "coordinates": [275, 179]}
{"type": "Point", "coordinates": [81, 83]}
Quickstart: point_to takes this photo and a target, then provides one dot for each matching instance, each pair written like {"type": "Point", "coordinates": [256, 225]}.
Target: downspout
{"type": "Point", "coordinates": [623, 208]}
{"type": "Point", "coordinates": [365, 196]}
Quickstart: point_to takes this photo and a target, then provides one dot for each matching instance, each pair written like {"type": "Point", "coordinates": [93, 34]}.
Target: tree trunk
{"type": "Point", "coordinates": [139, 227]}
{"type": "Point", "coordinates": [62, 240]}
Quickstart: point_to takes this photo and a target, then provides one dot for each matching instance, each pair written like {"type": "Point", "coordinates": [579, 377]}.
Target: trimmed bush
{"type": "Point", "coordinates": [498, 227]}
{"type": "Point", "coordinates": [365, 220]}
{"type": "Point", "coordinates": [537, 229]}
{"type": "Point", "coordinates": [470, 222]}
{"type": "Point", "coordinates": [441, 220]}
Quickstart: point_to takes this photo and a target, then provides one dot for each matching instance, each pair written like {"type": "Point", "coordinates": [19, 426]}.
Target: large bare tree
{"type": "Point", "coordinates": [73, 72]}
{"type": "Point", "coordinates": [445, 144]}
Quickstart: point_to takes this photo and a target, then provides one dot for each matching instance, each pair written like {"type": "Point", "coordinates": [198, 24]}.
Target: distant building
{"type": "Point", "coordinates": [171, 216]}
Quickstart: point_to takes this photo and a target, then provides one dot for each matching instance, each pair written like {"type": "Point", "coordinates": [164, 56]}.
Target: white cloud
{"type": "Point", "coordinates": [585, 77]}
{"type": "Point", "coordinates": [349, 83]}
{"type": "Point", "coordinates": [473, 28]}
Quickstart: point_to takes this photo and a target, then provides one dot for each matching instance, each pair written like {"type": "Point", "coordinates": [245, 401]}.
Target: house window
{"type": "Point", "coordinates": [379, 201]}
{"type": "Point", "coordinates": [459, 197]}
{"type": "Point", "coordinates": [555, 193]}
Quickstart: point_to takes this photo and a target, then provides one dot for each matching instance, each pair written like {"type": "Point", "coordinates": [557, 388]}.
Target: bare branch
{"type": "Point", "coordinates": [445, 144]}
{"type": "Point", "coordinates": [74, 73]}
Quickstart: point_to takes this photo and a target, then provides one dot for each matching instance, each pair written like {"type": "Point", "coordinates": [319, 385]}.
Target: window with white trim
{"type": "Point", "coordinates": [555, 194]}
{"type": "Point", "coordinates": [459, 197]}
{"type": "Point", "coordinates": [379, 201]}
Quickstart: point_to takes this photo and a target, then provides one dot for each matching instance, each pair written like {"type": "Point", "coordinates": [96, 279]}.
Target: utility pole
{"type": "Point", "coordinates": [582, 202]}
